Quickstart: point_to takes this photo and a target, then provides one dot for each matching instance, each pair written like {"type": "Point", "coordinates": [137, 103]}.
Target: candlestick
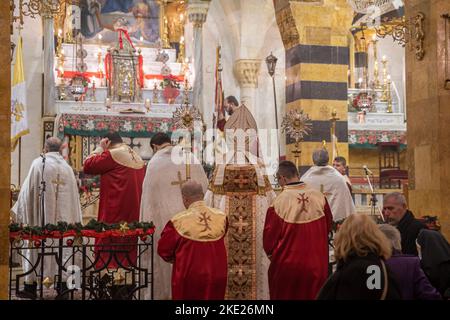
{"type": "Point", "coordinates": [155, 93]}
{"type": "Point", "coordinates": [93, 98]}
{"type": "Point", "coordinates": [108, 104]}
{"type": "Point", "coordinates": [389, 95]}
{"type": "Point", "coordinates": [384, 95]}
{"type": "Point", "coordinates": [147, 104]}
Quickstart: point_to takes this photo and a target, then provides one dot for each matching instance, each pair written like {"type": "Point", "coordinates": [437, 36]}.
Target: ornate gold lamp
{"type": "Point", "coordinates": [184, 118]}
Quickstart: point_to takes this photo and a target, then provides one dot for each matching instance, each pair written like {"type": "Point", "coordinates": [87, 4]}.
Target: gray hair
{"type": "Point", "coordinates": [321, 157]}
{"type": "Point", "coordinates": [393, 235]}
{"type": "Point", "coordinates": [192, 190]}
{"type": "Point", "coordinates": [53, 144]}
{"type": "Point", "coordinates": [397, 196]}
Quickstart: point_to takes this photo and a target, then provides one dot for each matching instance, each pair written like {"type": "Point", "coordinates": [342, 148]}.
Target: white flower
{"type": "Point", "coordinates": [128, 126]}
{"type": "Point", "coordinates": [90, 125]}
{"type": "Point", "coordinates": [164, 127]}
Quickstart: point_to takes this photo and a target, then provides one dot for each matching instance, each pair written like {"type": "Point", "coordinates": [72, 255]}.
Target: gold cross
{"type": "Point", "coordinates": [57, 182]}
{"type": "Point", "coordinates": [204, 221]}
{"type": "Point", "coordinates": [304, 200]}
{"type": "Point", "coordinates": [180, 181]}
{"type": "Point", "coordinates": [241, 181]}
{"type": "Point", "coordinates": [240, 224]}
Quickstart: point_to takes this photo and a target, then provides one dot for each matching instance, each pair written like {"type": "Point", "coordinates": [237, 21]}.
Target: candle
{"type": "Point", "coordinates": [100, 37]}
{"type": "Point", "coordinates": [384, 59]}
{"type": "Point", "coordinates": [141, 39]}
{"type": "Point", "coordinates": [59, 32]}
{"type": "Point", "coordinates": [182, 39]}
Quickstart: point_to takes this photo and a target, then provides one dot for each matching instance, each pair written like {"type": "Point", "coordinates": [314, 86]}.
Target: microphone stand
{"type": "Point", "coordinates": [374, 209]}
{"type": "Point", "coordinates": [42, 212]}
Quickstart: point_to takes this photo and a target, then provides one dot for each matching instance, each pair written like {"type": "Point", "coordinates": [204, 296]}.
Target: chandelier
{"type": "Point", "coordinates": [34, 8]}
{"type": "Point", "coordinates": [403, 31]}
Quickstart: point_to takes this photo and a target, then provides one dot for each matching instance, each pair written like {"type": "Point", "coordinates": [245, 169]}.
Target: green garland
{"type": "Point", "coordinates": [77, 227]}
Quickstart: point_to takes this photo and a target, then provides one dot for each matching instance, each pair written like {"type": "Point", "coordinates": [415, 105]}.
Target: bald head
{"type": "Point", "coordinates": [321, 157]}
{"type": "Point", "coordinates": [191, 192]}
{"type": "Point", "coordinates": [52, 144]}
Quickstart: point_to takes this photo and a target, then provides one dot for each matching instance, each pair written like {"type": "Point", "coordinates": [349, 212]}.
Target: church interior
{"type": "Point", "coordinates": [366, 80]}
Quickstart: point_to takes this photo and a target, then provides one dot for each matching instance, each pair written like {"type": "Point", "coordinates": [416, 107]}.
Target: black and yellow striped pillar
{"type": "Point", "coordinates": [315, 36]}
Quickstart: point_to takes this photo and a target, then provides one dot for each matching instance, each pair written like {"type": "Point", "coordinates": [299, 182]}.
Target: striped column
{"type": "Point", "coordinates": [315, 36]}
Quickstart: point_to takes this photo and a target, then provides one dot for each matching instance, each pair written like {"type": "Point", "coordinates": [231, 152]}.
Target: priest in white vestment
{"type": "Point", "coordinates": [62, 203]}
{"type": "Point", "coordinates": [161, 199]}
{"type": "Point", "coordinates": [240, 188]}
{"type": "Point", "coordinates": [331, 183]}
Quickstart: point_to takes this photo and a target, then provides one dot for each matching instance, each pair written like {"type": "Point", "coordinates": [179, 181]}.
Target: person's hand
{"type": "Point", "coordinates": [105, 143]}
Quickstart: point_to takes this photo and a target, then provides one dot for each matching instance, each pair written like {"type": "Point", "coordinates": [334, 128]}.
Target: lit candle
{"type": "Point", "coordinates": [389, 77]}
{"type": "Point", "coordinates": [384, 58]}
{"type": "Point", "coordinates": [100, 37]}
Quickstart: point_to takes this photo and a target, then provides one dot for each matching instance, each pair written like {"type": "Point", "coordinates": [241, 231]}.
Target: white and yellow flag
{"type": "Point", "coordinates": [19, 120]}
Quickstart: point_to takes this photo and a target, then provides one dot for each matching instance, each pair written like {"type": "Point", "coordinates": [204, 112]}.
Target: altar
{"type": "Point", "coordinates": [96, 92]}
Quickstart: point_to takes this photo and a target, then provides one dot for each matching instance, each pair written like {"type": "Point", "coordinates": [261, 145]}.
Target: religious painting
{"type": "Point", "coordinates": [100, 19]}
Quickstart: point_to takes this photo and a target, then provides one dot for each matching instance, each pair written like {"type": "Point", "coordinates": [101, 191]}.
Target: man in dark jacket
{"type": "Point", "coordinates": [396, 213]}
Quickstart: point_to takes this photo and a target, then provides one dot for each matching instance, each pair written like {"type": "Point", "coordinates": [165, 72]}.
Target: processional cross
{"type": "Point", "coordinates": [180, 181]}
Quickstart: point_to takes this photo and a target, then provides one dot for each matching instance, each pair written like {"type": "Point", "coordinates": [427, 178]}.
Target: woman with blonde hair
{"type": "Point", "coordinates": [360, 251]}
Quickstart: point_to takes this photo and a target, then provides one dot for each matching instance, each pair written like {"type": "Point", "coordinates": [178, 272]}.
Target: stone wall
{"type": "Point", "coordinates": [429, 117]}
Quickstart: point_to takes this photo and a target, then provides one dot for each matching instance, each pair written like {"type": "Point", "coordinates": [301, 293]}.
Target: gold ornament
{"type": "Point", "coordinates": [296, 124]}
{"type": "Point", "coordinates": [47, 282]}
{"type": "Point", "coordinates": [124, 227]}
{"type": "Point", "coordinates": [184, 117]}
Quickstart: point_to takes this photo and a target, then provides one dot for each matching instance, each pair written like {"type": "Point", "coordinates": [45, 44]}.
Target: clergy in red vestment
{"type": "Point", "coordinates": [193, 240]}
{"type": "Point", "coordinates": [122, 174]}
{"type": "Point", "coordinates": [296, 238]}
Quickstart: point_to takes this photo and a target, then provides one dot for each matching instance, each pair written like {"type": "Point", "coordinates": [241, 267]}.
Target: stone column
{"type": "Point", "coordinates": [197, 11]}
{"type": "Point", "coordinates": [315, 36]}
{"type": "Point", "coordinates": [49, 65]}
{"type": "Point", "coordinates": [246, 71]}
{"type": "Point", "coordinates": [428, 113]}
{"type": "Point", "coordinates": [5, 145]}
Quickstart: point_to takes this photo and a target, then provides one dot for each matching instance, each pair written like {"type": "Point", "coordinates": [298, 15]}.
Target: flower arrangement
{"type": "Point", "coordinates": [171, 88]}
{"type": "Point", "coordinates": [170, 81]}
{"type": "Point", "coordinates": [79, 85]}
{"type": "Point", "coordinates": [363, 102]}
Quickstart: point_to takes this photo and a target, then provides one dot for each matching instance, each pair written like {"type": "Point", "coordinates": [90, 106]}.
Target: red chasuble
{"type": "Point", "coordinates": [122, 174]}
{"type": "Point", "coordinates": [296, 241]}
{"type": "Point", "coordinates": [194, 242]}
